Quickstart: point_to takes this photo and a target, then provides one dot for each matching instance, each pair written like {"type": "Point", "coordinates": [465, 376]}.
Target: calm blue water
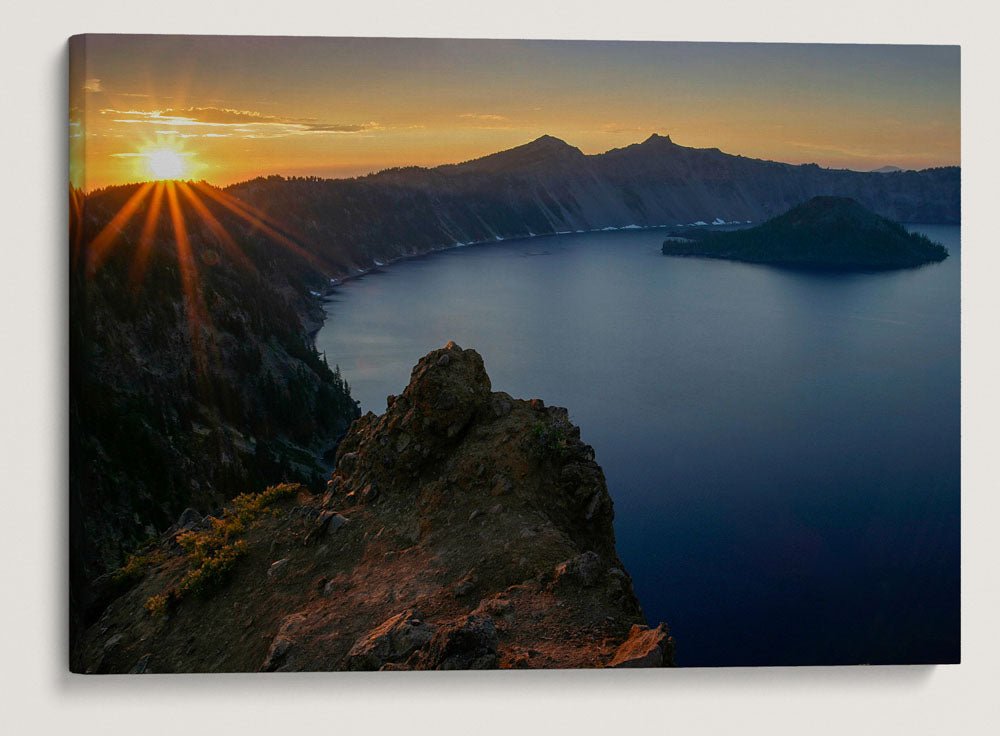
{"type": "Point", "coordinates": [782, 447]}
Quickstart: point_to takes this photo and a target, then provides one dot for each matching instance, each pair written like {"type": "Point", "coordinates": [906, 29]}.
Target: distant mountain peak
{"type": "Point", "coordinates": [544, 145]}
{"type": "Point", "coordinates": [547, 144]}
{"type": "Point", "coordinates": [549, 140]}
{"type": "Point", "coordinates": [656, 138]}
{"type": "Point", "coordinates": [535, 153]}
{"type": "Point", "coordinates": [886, 170]}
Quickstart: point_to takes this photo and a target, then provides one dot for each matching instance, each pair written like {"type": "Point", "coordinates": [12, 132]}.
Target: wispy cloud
{"type": "Point", "coordinates": [177, 133]}
{"type": "Point", "coordinates": [490, 117]}
{"type": "Point", "coordinates": [93, 85]}
{"type": "Point", "coordinates": [248, 122]}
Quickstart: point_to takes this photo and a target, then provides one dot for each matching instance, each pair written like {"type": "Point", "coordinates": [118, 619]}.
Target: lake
{"type": "Point", "coordinates": [782, 447]}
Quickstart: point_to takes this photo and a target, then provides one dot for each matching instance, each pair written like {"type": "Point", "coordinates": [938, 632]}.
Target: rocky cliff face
{"type": "Point", "coordinates": [548, 186]}
{"type": "Point", "coordinates": [461, 529]}
{"type": "Point", "coordinates": [192, 377]}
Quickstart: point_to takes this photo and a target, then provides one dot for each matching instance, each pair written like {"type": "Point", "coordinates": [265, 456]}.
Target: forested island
{"type": "Point", "coordinates": [824, 232]}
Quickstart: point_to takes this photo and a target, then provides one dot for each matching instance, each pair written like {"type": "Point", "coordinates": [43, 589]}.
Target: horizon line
{"type": "Point", "coordinates": [650, 137]}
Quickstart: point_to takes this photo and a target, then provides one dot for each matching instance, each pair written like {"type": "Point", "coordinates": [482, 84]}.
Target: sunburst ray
{"type": "Point", "coordinates": [194, 305]}
{"type": "Point", "coordinates": [242, 210]}
{"type": "Point", "coordinates": [101, 246]}
{"type": "Point", "coordinates": [231, 247]}
{"type": "Point", "coordinates": [143, 252]}
{"type": "Point", "coordinates": [75, 223]}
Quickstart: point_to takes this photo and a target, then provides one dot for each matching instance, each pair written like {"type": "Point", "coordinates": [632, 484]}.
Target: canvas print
{"type": "Point", "coordinates": [429, 354]}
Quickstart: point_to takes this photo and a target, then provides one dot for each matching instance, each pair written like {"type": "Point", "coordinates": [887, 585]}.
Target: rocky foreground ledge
{"type": "Point", "coordinates": [462, 529]}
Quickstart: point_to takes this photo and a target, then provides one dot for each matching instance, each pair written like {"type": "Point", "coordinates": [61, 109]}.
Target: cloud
{"type": "Point", "coordinates": [483, 116]}
{"type": "Point", "coordinates": [219, 115]}
{"type": "Point", "coordinates": [93, 85]}
{"type": "Point", "coordinates": [177, 133]}
{"type": "Point", "coordinates": [327, 128]}
{"type": "Point", "coordinates": [249, 122]}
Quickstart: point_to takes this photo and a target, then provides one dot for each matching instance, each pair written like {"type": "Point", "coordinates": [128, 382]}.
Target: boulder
{"type": "Point", "coordinates": [189, 518]}
{"type": "Point", "coordinates": [645, 647]}
{"type": "Point", "coordinates": [393, 641]}
{"type": "Point", "coordinates": [276, 653]}
{"type": "Point", "coordinates": [284, 652]}
{"type": "Point", "coordinates": [469, 643]}
{"type": "Point", "coordinates": [584, 570]}
{"type": "Point", "coordinates": [334, 522]}
{"type": "Point", "coordinates": [327, 523]}
{"type": "Point", "coordinates": [278, 568]}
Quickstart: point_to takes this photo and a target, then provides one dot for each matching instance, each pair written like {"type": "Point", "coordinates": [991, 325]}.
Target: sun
{"type": "Point", "coordinates": [165, 163]}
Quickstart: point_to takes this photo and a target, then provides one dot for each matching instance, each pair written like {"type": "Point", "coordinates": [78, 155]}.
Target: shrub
{"type": "Point", "coordinates": [136, 567]}
{"type": "Point", "coordinates": [551, 442]}
{"type": "Point", "coordinates": [212, 554]}
{"type": "Point", "coordinates": [213, 570]}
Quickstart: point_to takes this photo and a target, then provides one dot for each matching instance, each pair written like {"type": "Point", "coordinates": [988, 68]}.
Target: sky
{"type": "Point", "coordinates": [230, 108]}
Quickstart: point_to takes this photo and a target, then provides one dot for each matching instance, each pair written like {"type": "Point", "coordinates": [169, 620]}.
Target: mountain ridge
{"type": "Point", "coordinates": [547, 186]}
{"type": "Point", "coordinates": [554, 144]}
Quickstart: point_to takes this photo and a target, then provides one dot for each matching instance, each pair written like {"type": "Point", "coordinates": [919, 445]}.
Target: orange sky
{"type": "Point", "coordinates": [228, 108]}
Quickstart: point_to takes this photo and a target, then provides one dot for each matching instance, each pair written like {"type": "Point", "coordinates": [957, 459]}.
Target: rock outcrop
{"type": "Point", "coordinates": [391, 642]}
{"type": "Point", "coordinates": [461, 529]}
{"type": "Point", "coordinates": [645, 647]}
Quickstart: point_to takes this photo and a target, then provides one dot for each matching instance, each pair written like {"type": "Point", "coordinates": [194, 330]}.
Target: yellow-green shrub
{"type": "Point", "coordinates": [212, 553]}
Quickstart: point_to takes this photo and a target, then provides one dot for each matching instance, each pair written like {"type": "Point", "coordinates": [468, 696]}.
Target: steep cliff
{"type": "Point", "coordinates": [548, 186]}
{"type": "Point", "coordinates": [461, 529]}
{"type": "Point", "coordinates": [192, 376]}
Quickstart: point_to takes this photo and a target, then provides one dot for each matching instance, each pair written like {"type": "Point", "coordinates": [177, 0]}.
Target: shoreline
{"type": "Point", "coordinates": [331, 287]}
{"type": "Point", "coordinates": [334, 283]}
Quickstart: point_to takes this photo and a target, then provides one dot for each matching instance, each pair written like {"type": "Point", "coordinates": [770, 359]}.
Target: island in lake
{"type": "Point", "coordinates": [823, 232]}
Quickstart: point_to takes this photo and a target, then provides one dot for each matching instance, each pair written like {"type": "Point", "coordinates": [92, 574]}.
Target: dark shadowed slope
{"type": "Point", "coordinates": [192, 376]}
